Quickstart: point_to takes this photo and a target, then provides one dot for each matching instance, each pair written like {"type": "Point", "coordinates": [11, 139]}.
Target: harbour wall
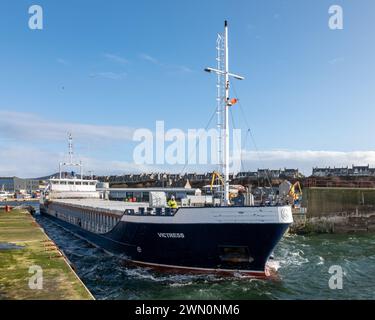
{"type": "Point", "coordinates": [337, 210]}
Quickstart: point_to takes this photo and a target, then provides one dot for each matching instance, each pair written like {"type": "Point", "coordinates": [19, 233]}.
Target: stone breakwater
{"type": "Point", "coordinates": [336, 210]}
{"type": "Point", "coordinates": [364, 223]}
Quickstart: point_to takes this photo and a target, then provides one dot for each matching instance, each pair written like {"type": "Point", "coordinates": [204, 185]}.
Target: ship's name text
{"type": "Point", "coordinates": [171, 235]}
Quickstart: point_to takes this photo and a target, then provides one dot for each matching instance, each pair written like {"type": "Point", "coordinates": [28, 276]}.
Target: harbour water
{"type": "Point", "coordinates": [303, 263]}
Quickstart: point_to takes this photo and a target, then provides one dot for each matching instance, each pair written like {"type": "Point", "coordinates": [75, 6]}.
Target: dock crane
{"type": "Point", "coordinates": [220, 178]}
{"type": "Point", "coordinates": [295, 192]}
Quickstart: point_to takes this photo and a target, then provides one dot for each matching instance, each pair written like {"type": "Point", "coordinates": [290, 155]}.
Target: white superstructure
{"type": "Point", "coordinates": [71, 187]}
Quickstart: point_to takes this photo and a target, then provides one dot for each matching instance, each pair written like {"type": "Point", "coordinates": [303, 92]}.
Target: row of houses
{"type": "Point", "coordinates": [270, 174]}
{"type": "Point", "coordinates": [151, 177]}
{"type": "Point", "coordinates": [354, 171]}
{"type": "Point", "coordinates": [201, 177]}
{"type": "Point", "coordinates": [13, 184]}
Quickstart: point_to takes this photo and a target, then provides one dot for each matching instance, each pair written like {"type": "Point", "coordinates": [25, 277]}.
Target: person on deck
{"type": "Point", "coordinates": [172, 203]}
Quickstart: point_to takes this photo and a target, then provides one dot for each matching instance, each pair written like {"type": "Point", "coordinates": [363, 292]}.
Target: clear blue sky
{"type": "Point", "coordinates": [116, 64]}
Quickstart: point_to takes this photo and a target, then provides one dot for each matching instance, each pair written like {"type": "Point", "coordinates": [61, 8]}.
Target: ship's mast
{"type": "Point", "coordinates": [225, 72]}
{"type": "Point", "coordinates": [70, 139]}
{"type": "Point", "coordinates": [70, 163]}
{"type": "Point", "coordinates": [220, 106]}
{"type": "Point", "coordinates": [226, 118]}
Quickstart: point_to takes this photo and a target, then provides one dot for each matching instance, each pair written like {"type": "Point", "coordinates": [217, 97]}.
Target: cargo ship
{"type": "Point", "coordinates": [223, 238]}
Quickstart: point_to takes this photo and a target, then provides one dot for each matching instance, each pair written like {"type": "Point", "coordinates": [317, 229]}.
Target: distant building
{"type": "Point", "coordinates": [290, 174]}
{"type": "Point", "coordinates": [361, 170]}
{"type": "Point", "coordinates": [143, 194]}
{"type": "Point", "coordinates": [178, 180]}
{"type": "Point", "coordinates": [263, 173]}
{"type": "Point", "coordinates": [355, 171]}
{"type": "Point", "coordinates": [284, 188]}
{"type": "Point", "coordinates": [247, 175]}
{"type": "Point", "coordinates": [331, 172]}
{"type": "Point", "coordinates": [265, 193]}
{"type": "Point", "coordinates": [13, 184]}
{"type": "Point", "coordinates": [274, 174]}
{"type": "Point", "coordinates": [321, 172]}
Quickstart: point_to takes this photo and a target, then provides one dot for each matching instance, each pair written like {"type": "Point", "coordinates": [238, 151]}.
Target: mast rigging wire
{"type": "Point", "coordinates": [196, 144]}
{"type": "Point", "coordinates": [252, 138]}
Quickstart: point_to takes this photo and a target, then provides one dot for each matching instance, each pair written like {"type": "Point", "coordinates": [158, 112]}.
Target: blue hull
{"type": "Point", "coordinates": [195, 247]}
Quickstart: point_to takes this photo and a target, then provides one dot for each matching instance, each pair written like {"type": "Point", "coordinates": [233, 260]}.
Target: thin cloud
{"type": "Point", "coordinates": [27, 126]}
{"type": "Point", "coordinates": [109, 75]}
{"type": "Point", "coordinates": [63, 61]}
{"type": "Point", "coordinates": [169, 67]}
{"type": "Point", "coordinates": [305, 160]}
{"type": "Point", "coordinates": [336, 60]}
{"type": "Point", "coordinates": [39, 163]}
{"type": "Point", "coordinates": [116, 58]}
{"type": "Point", "coordinates": [250, 26]}
{"type": "Point", "coordinates": [184, 69]}
{"type": "Point", "coordinates": [25, 138]}
{"type": "Point", "coordinates": [149, 58]}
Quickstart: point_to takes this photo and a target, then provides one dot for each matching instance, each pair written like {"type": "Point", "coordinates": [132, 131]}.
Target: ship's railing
{"type": "Point", "coordinates": [90, 220]}
{"type": "Point", "coordinates": [157, 212]}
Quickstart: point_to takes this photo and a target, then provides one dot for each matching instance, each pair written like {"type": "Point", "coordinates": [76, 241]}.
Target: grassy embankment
{"type": "Point", "coordinates": [59, 281]}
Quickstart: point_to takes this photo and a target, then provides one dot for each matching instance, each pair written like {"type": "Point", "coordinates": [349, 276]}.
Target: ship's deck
{"type": "Point", "coordinates": [115, 207]}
